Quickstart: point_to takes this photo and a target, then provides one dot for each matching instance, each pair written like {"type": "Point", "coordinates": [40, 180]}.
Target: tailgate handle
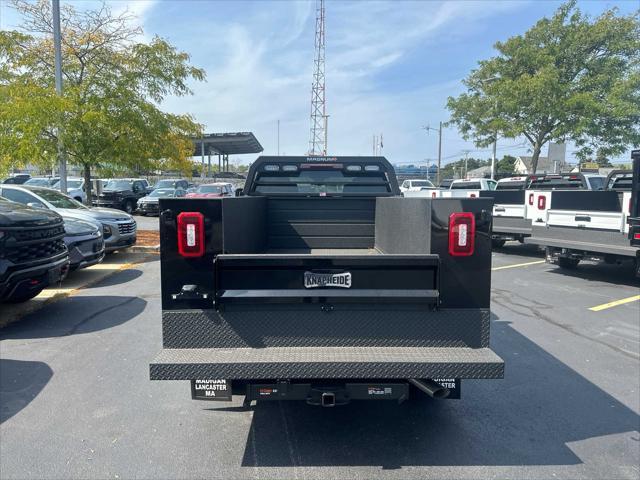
{"type": "Point", "coordinates": [582, 218]}
{"type": "Point", "coordinates": [242, 296]}
{"type": "Point", "coordinates": [500, 209]}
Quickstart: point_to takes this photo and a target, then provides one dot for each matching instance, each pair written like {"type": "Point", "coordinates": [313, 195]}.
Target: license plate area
{"type": "Point", "coordinates": [214, 390]}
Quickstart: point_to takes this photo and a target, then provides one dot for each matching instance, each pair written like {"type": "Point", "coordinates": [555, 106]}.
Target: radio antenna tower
{"type": "Point", "coordinates": [318, 136]}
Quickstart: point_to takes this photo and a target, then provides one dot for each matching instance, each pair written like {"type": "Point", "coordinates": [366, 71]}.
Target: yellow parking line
{"type": "Point", "coordinates": [537, 262]}
{"type": "Point", "coordinates": [604, 306]}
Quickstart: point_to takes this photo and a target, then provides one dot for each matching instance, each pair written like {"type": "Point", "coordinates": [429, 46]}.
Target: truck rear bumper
{"type": "Point", "coordinates": [326, 362]}
{"type": "Point", "coordinates": [513, 225]}
{"type": "Point", "coordinates": [585, 240]}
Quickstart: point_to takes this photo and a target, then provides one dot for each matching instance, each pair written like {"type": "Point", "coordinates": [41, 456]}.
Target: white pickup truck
{"type": "Point", "coordinates": [523, 201]}
{"type": "Point", "coordinates": [593, 225]}
{"type": "Point", "coordinates": [461, 188]}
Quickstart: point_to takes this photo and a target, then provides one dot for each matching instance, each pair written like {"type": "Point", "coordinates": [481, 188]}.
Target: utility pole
{"type": "Point", "coordinates": [62, 160]}
{"type": "Point", "coordinates": [439, 130]}
{"type": "Point", "coordinates": [493, 157]}
{"type": "Point", "coordinates": [466, 158]}
{"type": "Point", "coordinates": [278, 137]}
{"type": "Point", "coordinates": [439, 152]}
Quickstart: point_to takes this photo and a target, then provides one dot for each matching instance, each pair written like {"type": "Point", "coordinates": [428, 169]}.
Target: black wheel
{"type": "Point", "coordinates": [128, 206]}
{"type": "Point", "coordinates": [24, 296]}
{"type": "Point", "coordinates": [566, 262]}
{"type": "Point", "coordinates": [496, 243]}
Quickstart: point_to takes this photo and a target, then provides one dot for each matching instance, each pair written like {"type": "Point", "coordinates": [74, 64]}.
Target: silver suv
{"type": "Point", "coordinates": [118, 228]}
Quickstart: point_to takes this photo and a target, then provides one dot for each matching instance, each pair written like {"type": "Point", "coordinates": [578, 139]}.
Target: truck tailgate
{"type": "Point", "coordinates": [586, 219]}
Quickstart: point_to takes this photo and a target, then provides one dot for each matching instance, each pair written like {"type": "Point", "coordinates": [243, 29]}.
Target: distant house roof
{"type": "Point", "coordinates": [480, 172]}
{"type": "Point", "coordinates": [544, 164]}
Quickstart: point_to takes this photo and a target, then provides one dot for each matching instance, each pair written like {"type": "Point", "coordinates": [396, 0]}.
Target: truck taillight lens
{"type": "Point", "coordinates": [433, 194]}
{"type": "Point", "coordinates": [531, 199]}
{"type": "Point", "coordinates": [542, 202]}
{"type": "Point", "coordinates": [462, 233]}
{"type": "Point", "coordinates": [191, 234]}
{"type": "Point", "coordinates": [472, 195]}
{"type": "Point", "coordinates": [636, 236]}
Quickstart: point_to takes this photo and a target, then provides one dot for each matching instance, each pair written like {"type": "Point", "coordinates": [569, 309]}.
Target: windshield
{"type": "Point", "coordinates": [118, 185]}
{"type": "Point", "coordinates": [58, 200]}
{"type": "Point", "coordinates": [321, 182]}
{"type": "Point", "coordinates": [165, 184]}
{"type": "Point", "coordinates": [597, 183]}
{"type": "Point", "coordinates": [38, 182]}
{"type": "Point", "coordinates": [209, 189]}
{"type": "Point", "coordinates": [466, 186]}
{"type": "Point", "coordinates": [71, 184]}
{"type": "Point", "coordinates": [163, 192]}
{"type": "Point", "coordinates": [552, 183]}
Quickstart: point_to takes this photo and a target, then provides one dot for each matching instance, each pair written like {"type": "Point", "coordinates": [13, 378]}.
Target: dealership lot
{"type": "Point", "coordinates": [76, 401]}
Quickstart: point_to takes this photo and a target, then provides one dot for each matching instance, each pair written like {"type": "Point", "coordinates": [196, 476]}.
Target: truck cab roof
{"type": "Point", "coordinates": [323, 176]}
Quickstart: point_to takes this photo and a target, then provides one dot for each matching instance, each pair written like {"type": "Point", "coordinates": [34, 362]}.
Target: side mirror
{"type": "Point", "coordinates": [239, 192]}
{"type": "Point", "coordinates": [35, 205]}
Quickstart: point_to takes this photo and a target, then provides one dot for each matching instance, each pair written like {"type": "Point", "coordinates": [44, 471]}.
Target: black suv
{"type": "Point", "coordinates": [33, 254]}
{"type": "Point", "coordinates": [122, 194]}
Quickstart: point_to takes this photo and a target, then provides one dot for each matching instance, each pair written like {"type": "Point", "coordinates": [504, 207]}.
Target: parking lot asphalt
{"type": "Point", "coordinates": [76, 400]}
{"type": "Point", "coordinates": [147, 223]}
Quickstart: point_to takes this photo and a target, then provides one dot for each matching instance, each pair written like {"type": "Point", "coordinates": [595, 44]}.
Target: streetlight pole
{"type": "Point", "coordinates": [62, 161]}
{"type": "Point", "coordinates": [439, 130]}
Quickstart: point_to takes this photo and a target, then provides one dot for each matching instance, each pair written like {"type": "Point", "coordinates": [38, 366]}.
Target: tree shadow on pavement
{"type": "Point", "coordinates": [74, 315]}
{"type": "Point", "coordinates": [20, 383]}
{"type": "Point", "coordinates": [120, 277]}
{"type": "Point", "coordinates": [520, 249]}
{"type": "Point", "coordinates": [529, 418]}
{"type": "Point", "coordinates": [601, 272]}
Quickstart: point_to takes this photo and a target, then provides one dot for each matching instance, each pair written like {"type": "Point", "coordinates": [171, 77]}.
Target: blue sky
{"type": "Point", "coordinates": [390, 66]}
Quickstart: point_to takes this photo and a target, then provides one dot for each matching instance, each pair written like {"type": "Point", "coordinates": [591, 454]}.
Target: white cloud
{"type": "Point", "coordinates": [259, 71]}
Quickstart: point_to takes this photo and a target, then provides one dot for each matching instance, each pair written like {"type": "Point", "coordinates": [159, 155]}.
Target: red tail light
{"type": "Point", "coordinates": [472, 195]}
{"type": "Point", "coordinates": [531, 199]}
{"type": "Point", "coordinates": [542, 202]}
{"type": "Point", "coordinates": [433, 194]}
{"type": "Point", "coordinates": [191, 234]}
{"type": "Point", "coordinates": [636, 236]}
{"type": "Point", "coordinates": [462, 233]}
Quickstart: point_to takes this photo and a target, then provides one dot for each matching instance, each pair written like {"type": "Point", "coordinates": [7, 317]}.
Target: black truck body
{"type": "Point", "coordinates": [594, 225]}
{"type": "Point", "coordinates": [321, 284]}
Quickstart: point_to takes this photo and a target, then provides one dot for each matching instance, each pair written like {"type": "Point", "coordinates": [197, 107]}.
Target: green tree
{"type": "Point", "coordinates": [506, 165]}
{"type": "Point", "coordinates": [113, 85]}
{"type": "Point", "coordinates": [569, 77]}
{"type": "Point", "coordinates": [602, 160]}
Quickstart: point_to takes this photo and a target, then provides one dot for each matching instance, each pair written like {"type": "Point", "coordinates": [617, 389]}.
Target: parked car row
{"type": "Point", "coordinates": [148, 205]}
{"type": "Point", "coordinates": [44, 234]}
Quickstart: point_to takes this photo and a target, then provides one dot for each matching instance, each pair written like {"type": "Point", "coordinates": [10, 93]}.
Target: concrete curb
{"type": "Point", "coordinates": [144, 249]}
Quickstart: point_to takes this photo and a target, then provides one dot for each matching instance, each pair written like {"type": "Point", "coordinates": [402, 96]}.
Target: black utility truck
{"type": "Point", "coordinates": [594, 225]}
{"type": "Point", "coordinates": [320, 283]}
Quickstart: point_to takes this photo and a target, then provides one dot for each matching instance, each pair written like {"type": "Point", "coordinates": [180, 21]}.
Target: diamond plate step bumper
{"type": "Point", "coordinates": [326, 362]}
